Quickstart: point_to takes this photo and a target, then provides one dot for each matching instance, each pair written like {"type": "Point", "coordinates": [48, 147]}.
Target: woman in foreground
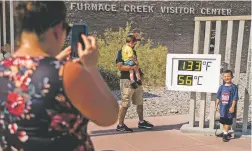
{"type": "Point", "coordinates": [45, 104]}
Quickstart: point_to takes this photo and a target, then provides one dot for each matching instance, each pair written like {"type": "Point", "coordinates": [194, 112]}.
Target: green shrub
{"type": "Point", "coordinates": [111, 78]}
{"type": "Point", "coordinates": [152, 59]}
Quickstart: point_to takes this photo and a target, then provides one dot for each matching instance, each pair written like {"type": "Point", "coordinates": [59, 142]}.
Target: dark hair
{"type": "Point", "coordinates": [130, 38]}
{"type": "Point", "coordinates": [133, 37]}
{"type": "Point", "coordinates": [230, 72]}
{"type": "Point", "coordinates": [38, 16]}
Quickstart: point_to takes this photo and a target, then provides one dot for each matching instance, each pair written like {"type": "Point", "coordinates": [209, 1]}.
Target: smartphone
{"type": "Point", "coordinates": [75, 37]}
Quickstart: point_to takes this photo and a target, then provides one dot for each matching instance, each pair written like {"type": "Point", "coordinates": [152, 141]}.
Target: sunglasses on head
{"type": "Point", "coordinates": [68, 27]}
{"type": "Point", "coordinates": [65, 25]}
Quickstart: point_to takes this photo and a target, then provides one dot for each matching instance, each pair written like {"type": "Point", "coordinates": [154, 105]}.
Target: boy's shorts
{"type": "Point", "coordinates": [129, 63]}
{"type": "Point", "coordinates": [226, 121]}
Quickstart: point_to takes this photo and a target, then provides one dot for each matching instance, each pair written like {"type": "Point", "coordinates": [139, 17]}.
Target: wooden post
{"type": "Point", "coordinates": [207, 37]}
{"type": "Point", "coordinates": [212, 111]}
{"type": "Point", "coordinates": [239, 51]}
{"type": "Point", "coordinates": [192, 109]}
{"type": "Point", "coordinates": [4, 22]}
{"type": "Point", "coordinates": [229, 42]}
{"type": "Point", "coordinates": [213, 95]}
{"type": "Point", "coordinates": [238, 60]}
{"type": "Point", "coordinates": [250, 75]}
{"type": "Point", "coordinates": [203, 95]}
{"type": "Point", "coordinates": [217, 37]}
{"type": "Point", "coordinates": [245, 112]}
{"type": "Point", "coordinates": [0, 29]}
{"type": "Point", "coordinates": [193, 94]}
{"type": "Point", "coordinates": [246, 98]}
{"type": "Point", "coordinates": [202, 110]}
{"type": "Point", "coordinates": [12, 38]}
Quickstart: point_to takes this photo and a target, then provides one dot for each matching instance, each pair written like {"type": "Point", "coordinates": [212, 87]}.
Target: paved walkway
{"type": "Point", "coordinates": [164, 137]}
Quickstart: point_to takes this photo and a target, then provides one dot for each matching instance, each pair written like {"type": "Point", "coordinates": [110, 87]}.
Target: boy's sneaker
{"type": "Point", "coordinates": [225, 138]}
{"type": "Point", "coordinates": [123, 128]}
{"type": "Point", "coordinates": [145, 125]}
{"type": "Point", "coordinates": [139, 82]}
{"type": "Point", "coordinates": [221, 135]}
{"type": "Point", "coordinates": [134, 85]}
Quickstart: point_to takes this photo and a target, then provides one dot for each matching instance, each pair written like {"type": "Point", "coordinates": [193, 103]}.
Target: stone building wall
{"type": "Point", "coordinates": [170, 23]}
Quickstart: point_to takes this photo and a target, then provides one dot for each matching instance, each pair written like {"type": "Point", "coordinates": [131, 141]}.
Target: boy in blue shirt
{"type": "Point", "coordinates": [227, 97]}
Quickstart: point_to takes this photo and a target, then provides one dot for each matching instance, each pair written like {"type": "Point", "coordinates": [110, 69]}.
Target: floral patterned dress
{"type": "Point", "coordinates": [35, 113]}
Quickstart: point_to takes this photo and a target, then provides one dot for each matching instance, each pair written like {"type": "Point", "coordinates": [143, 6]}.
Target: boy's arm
{"type": "Point", "coordinates": [232, 108]}
{"type": "Point", "coordinates": [130, 53]}
{"type": "Point", "coordinates": [218, 96]}
{"type": "Point", "coordinates": [235, 99]}
{"type": "Point", "coordinates": [217, 102]}
{"type": "Point", "coordinates": [120, 65]}
{"type": "Point", "coordinates": [233, 104]}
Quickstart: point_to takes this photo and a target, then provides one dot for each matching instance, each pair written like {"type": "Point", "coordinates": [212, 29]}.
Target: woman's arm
{"type": "Point", "coordinates": [90, 94]}
{"type": "Point", "coordinates": [86, 88]}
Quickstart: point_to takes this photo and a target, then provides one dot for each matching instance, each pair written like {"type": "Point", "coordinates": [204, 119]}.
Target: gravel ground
{"type": "Point", "coordinates": [161, 102]}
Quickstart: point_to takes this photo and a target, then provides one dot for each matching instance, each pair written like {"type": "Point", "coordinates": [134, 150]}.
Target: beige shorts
{"type": "Point", "coordinates": [130, 95]}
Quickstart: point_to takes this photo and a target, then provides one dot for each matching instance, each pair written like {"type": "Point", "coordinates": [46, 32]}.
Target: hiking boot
{"type": "Point", "coordinates": [123, 128]}
{"type": "Point", "coordinates": [139, 82]}
{"type": "Point", "coordinates": [145, 125]}
{"type": "Point", "coordinates": [134, 85]}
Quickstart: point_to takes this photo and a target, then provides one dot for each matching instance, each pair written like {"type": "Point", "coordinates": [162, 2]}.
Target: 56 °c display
{"type": "Point", "coordinates": [185, 80]}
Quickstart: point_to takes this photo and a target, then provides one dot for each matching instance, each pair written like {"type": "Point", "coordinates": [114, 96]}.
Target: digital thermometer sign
{"type": "Point", "coordinates": [193, 72]}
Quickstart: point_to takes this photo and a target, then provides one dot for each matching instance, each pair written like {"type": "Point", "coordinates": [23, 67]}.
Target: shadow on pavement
{"type": "Point", "coordinates": [150, 95]}
{"type": "Point", "coordinates": [146, 95]}
{"type": "Point", "coordinates": [136, 130]}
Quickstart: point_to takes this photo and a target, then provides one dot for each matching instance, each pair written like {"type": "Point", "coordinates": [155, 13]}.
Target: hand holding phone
{"type": "Point", "coordinates": [88, 57]}
{"type": "Point", "coordinates": [75, 38]}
